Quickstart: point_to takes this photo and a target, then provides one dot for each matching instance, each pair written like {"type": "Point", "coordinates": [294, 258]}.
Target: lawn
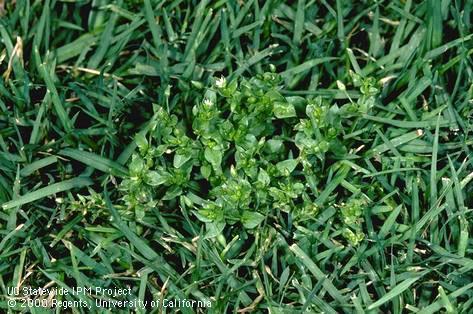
{"type": "Point", "coordinates": [236, 156]}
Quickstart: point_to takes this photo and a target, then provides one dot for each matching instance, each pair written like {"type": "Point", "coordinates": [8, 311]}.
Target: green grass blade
{"type": "Point", "coordinates": [136, 241]}
{"type": "Point", "coordinates": [58, 105]}
{"type": "Point", "coordinates": [34, 166]}
{"type": "Point", "coordinates": [47, 191]}
{"type": "Point", "coordinates": [95, 161]}
{"type": "Point", "coordinates": [397, 290]}
{"type": "Point", "coordinates": [318, 274]}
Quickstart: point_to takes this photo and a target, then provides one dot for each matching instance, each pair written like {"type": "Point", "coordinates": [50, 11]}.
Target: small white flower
{"type": "Point", "coordinates": [221, 82]}
{"type": "Point", "coordinates": [208, 103]}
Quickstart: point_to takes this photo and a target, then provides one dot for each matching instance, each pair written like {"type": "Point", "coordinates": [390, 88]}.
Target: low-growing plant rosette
{"type": "Point", "coordinates": [248, 154]}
